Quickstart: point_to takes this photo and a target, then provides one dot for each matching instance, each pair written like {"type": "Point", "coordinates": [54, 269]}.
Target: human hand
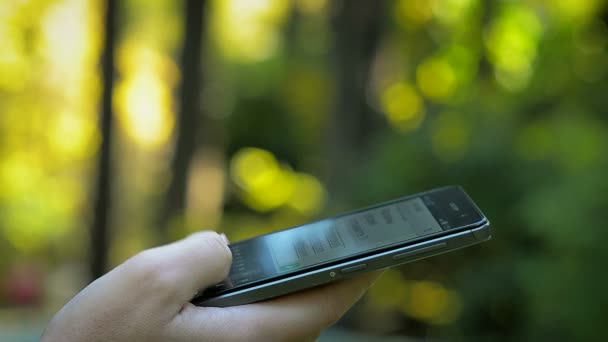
{"type": "Point", "coordinates": [147, 298]}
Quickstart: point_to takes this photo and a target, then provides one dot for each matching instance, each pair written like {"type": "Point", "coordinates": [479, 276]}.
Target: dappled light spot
{"type": "Point", "coordinates": [253, 168]}
{"type": "Point", "coordinates": [19, 173]}
{"type": "Point", "coordinates": [64, 39]}
{"type": "Point", "coordinates": [74, 137]}
{"type": "Point", "coordinates": [431, 302]}
{"type": "Point", "coordinates": [48, 116]}
{"type": "Point", "coordinates": [13, 61]}
{"type": "Point", "coordinates": [248, 31]}
{"type": "Point", "coordinates": [512, 43]}
{"type": "Point", "coordinates": [403, 107]}
{"type": "Point", "coordinates": [145, 116]}
{"type": "Point", "coordinates": [144, 97]}
{"type": "Point", "coordinates": [308, 196]}
{"type": "Point", "coordinates": [452, 12]}
{"type": "Point", "coordinates": [436, 79]}
{"type": "Point", "coordinates": [390, 291]}
{"type": "Point", "coordinates": [26, 222]}
{"type": "Point", "coordinates": [413, 13]}
{"type": "Point", "coordinates": [265, 184]}
{"type": "Point", "coordinates": [577, 11]}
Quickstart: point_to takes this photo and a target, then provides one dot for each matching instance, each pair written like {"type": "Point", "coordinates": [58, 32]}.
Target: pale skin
{"type": "Point", "coordinates": [147, 298]}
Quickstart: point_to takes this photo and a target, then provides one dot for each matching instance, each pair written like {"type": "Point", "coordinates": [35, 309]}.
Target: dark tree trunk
{"type": "Point", "coordinates": [189, 118]}
{"type": "Point", "coordinates": [358, 26]}
{"type": "Point", "coordinates": [99, 230]}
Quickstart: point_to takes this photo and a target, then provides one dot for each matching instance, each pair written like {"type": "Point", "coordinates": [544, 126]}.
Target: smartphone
{"type": "Point", "coordinates": [381, 236]}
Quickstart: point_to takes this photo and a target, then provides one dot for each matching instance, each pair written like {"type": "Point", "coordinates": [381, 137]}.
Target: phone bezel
{"type": "Point", "coordinates": [453, 230]}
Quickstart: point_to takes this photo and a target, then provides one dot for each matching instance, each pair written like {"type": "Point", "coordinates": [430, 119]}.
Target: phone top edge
{"type": "Point", "coordinates": [374, 206]}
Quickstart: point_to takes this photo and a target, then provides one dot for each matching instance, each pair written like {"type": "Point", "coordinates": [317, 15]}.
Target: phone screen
{"type": "Point", "coordinates": [344, 236]}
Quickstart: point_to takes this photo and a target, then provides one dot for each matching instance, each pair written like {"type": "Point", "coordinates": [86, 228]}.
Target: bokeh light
{"type": "Point", "coordinates": [389, 291]}
{"type": "Point", "coordinates": [73, 136]}
{"type": "Point", "coordinates": [575, 11]}
{"type": "Point", "coordinates": [512, 43]}
{"type": "Point", "coordinates": [247, 31]}
{"type": "Point", "coordinates": [403, 106]}
{"type": "Point", "coordinates": [432, 302]}
{"type": "Point", "coordinates": [413, 13]}
{"type": "Point", "coordinates": [64, 38]}
{"type": "Point", "coordinates": [453, 12]}
{"type": "Point", "coordinates": [436, 79]}
{"type": "Point", "coordinates": [48, 114]}
{"type": "Point", "coordinates": [308, 196]}
{"type": "Point", "coordinates": [424, 300]}
{"type": "Point", "coordinates": [144, 95]}
{"type": "Point", "coordinates": [266, 184]}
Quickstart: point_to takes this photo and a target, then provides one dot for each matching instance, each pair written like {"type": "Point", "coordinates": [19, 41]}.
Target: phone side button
{"type": "Point", "coordinates": [353, 268]}
{"type": "Point", "coordinates": [419, 251]}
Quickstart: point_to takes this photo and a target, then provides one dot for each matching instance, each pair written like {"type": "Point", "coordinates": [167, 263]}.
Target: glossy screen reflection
{"type": "Point", "coordinates": [320, 242]}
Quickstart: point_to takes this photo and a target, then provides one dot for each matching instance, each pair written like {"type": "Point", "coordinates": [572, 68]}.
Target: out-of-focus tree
{"type": "Point", "coordinates": [145, 107]}
{"type": "Point", "coordinates": [190, 118]}
{"type": "Point", "coordinates": [358, 28]}
{"type": "Point", "coordinates": [100, 227]}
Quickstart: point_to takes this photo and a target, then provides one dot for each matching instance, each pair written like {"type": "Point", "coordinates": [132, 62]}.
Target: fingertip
{"type": "Point", "coordinates": [194, 263]}
{"type": "Point", "coordinates": [212, 245]}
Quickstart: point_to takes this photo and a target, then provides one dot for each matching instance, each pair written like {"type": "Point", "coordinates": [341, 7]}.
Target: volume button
{"type": "Point", "coordinates": [420, 251]}
{"type": "Point", "coordinates": [354, 268]}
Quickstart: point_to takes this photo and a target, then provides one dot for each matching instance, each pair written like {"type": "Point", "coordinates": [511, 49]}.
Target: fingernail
{"type": "Point", "coordinates": [225, 238]}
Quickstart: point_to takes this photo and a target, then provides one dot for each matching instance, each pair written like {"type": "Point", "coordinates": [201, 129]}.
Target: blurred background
{"type": "Point", "coordinates": [127, 124]}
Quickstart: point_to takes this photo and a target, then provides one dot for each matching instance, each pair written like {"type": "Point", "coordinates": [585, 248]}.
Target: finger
{"type": "Point", "coordinates": [179, 270]}
{"type": "Point", "coordinates": [293, 317]}
{"type": "Point", "coordinates": [312, 311]}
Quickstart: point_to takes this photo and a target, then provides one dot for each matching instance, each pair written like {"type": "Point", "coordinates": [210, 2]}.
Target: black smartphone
{"type": "Point", "coordinates": [384, 235]}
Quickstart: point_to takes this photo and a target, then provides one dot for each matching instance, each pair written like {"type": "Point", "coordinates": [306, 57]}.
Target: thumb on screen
{"type": "Point", "coordinates": [182, 268]}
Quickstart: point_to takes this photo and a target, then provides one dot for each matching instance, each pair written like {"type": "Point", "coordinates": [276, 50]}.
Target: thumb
{"type": "Point", "coordinates": [182, 268]}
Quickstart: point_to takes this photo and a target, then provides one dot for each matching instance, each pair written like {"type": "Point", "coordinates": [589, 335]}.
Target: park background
{"type": "Point", "coordinates": [127, 124]}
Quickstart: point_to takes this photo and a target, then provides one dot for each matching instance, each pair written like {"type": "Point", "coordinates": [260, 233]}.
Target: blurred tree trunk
{"type": "Point", "coordinates": [291, 31]}
{"type": "Point", "coordinates": [358, 26]}
{"type": "Point", "coordinates": [189, 118]}
{"type": "Point", "coordinates": [99, 229]}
